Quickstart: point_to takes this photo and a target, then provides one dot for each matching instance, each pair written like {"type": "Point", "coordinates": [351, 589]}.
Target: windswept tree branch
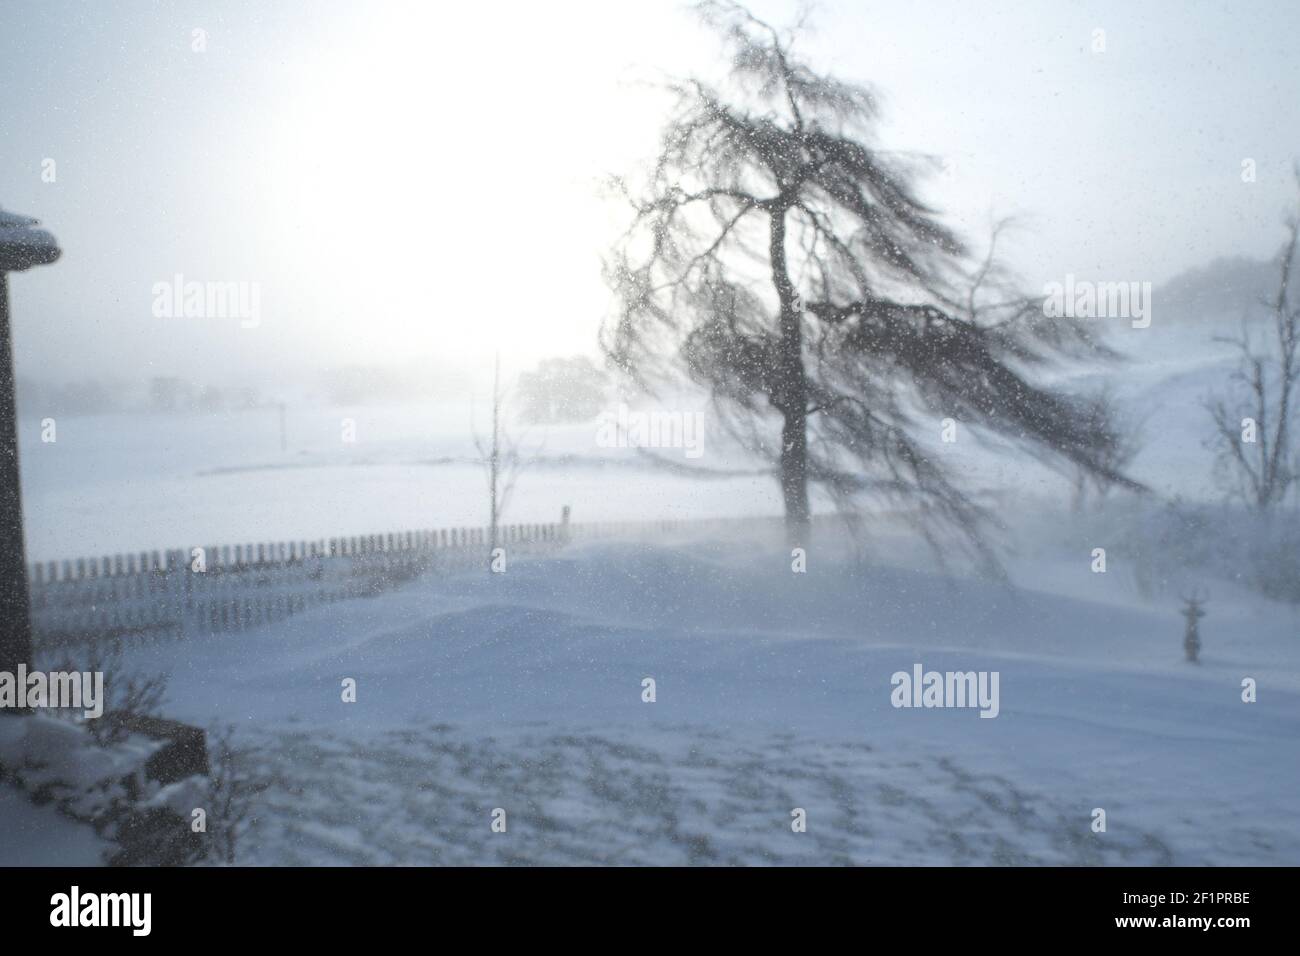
{"type": "Point", "coordinates": [781, 261]}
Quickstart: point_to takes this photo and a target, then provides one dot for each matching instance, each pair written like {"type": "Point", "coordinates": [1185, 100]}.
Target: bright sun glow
{"type": "Point", "coordinates": [430, 202]}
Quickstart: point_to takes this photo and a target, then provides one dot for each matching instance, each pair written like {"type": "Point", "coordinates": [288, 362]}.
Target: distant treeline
{"type": "Point", "coordinates": [1229, 288]}
{"type": "Point", "coordinates": [160, 394]}
{"type": "Point", "coordinates": [556, 390]}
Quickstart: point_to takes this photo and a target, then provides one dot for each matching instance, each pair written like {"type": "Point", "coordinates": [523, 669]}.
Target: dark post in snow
{"type": "Point", "coordinates": [21, 247]}
{"type": "Point", "coordinates": [1192, 640]}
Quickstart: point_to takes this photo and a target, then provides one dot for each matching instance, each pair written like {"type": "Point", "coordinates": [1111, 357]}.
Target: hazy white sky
{"type": "Point", "coordinates": [421, 179]}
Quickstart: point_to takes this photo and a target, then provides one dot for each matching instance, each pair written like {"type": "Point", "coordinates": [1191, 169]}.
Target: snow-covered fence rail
{"type": "Point", "coordinates": [157, 595]}
{"type": "Point", "coordinates": [215, 588]}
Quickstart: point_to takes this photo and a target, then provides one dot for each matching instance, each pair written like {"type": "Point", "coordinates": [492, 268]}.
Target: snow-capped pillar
{"type": "Point", "coordinates": [21, 247]}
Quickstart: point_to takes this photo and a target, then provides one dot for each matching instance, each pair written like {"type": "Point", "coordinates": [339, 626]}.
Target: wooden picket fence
{"type": "Point", "coordinates": [165, 595]}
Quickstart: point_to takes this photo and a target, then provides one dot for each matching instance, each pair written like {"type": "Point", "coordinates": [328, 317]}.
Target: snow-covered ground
{"type": "Point", "coordinates": [116, 483]}
{"type": "Point", "coordinates": [523, 691]}
{"type": "Point", "coordinates": [41, 836]}
{"type": "Point", "coordinates": [126, 483]}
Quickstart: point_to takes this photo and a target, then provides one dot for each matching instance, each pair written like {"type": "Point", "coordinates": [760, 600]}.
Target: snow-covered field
{"type": "Point", "coordinates": [523, 691]}
{"type": "Point", "coordinates": [120, 483]}
{"type": "Point", "coordinates": [117, 483]}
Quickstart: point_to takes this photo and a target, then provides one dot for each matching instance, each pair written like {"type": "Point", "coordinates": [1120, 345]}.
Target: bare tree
{"type": "Point", "coordinates": [502, 459]}
{"type": "Point", "coordinates": [781, 260]}
{"type": "Point", "coordinates": [1253, 430]}
{"type": "Point", "coordinates": [232, 793]}
{"type": "Point", "coordinates": [127, 692]}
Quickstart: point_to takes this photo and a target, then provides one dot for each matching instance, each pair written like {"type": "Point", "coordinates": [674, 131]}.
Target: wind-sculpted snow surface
{"type": "Point", "coordinates": [525, 692]}
{"type": "Point", "coordinates": [684, 796]}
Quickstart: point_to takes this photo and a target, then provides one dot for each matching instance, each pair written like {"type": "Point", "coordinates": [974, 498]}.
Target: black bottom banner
{"type": "Point", "coordinates": [335, 905]}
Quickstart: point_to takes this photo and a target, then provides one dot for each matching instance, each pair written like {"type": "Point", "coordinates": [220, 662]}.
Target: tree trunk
{"type": "Point", "coordinates": [794, 478]}
{"type": "Point", "coordinates": [791, 395]}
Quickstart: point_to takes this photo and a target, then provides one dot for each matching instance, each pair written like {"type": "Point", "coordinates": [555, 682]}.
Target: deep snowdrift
{"type": "Point", "coordinates": [523, 691]}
